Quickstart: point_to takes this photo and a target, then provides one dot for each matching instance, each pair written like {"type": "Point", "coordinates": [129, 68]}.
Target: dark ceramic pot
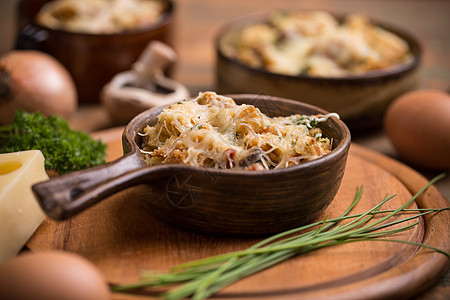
{"type": "Point", "coordinates": [91, 59]}
{"type": "Point", "coordinates": [359, 100]}
{"type": "Point", "coordinates": [208, 200]}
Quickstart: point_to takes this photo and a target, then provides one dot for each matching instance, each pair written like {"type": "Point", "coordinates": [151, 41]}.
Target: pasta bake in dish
{"type": "Point", "coordinates": [213, 131]}
{"type": "Point", "coordinates": [100, 16]}
{"type": "Point", "coordinates": [316, 44]}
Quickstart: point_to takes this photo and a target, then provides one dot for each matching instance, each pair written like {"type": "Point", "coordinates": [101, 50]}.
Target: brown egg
{"type": "Point", "coordinates": [418, 125]}
{"type": "Point", "coordinates": [53, 275]}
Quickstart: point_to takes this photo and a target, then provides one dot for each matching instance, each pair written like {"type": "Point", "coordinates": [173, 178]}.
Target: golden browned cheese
{"type": "Point", "coordinates": [213, 131]}
{"type": "Point", "coordinates": [100, 16]}
{"type": "Point", "coordinates": [314, 43]}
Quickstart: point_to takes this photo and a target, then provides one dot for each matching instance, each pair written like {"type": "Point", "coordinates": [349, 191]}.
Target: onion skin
{"type": "Point", "coordinates": [35, 81]}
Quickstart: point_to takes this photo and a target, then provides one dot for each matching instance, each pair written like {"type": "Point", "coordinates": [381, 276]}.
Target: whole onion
{"type": "Point", "coordinates": [34, 81]}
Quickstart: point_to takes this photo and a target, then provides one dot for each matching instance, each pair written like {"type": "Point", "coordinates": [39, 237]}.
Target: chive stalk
{"type": "Point", "coordinates": [203, 278]}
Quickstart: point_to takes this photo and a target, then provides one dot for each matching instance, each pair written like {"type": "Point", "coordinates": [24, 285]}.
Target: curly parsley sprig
{"type": "Point", "coordinates": [65, 150]}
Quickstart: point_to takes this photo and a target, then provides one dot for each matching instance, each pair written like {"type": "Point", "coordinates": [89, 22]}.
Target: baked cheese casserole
{"type": "Point", "coordinates": [100, 16]}
{"type": "Point", "coordinates": [317, 44]}
{"type": "Point", "coordinates": [213, 131]}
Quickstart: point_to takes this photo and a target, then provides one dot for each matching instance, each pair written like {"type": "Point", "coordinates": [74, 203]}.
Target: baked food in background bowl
{"type": "Point", "coordinates": [92, 42]}
{"type": "Point", "coordinates": [346, 64]}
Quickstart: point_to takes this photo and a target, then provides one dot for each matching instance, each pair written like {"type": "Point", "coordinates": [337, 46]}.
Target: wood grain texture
{"type": "Point", "coordinates": [121, 236]}
{"type": "Point", "coordinates": [197, 22]}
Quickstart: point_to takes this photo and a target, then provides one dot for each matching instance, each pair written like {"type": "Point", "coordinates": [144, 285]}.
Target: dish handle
{"type": "Point", "coordinates": [66, 195]}
{"type": "Point", "coordinates": [30, 37]}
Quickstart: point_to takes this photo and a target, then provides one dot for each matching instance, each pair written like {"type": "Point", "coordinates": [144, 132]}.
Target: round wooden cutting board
{"type": "Point", "coordinates": [121, 237]}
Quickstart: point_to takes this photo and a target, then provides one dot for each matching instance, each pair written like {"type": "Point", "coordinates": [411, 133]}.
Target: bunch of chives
{"type": "Point", "coordinates": [202, 278]}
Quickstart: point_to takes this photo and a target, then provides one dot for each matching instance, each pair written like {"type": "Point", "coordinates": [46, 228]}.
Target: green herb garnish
{"type": "Point", "coordinates": [65, 150]}
{"type": "Point", "coordinates": [202, 278]}
{"type": "Point", "coordinates": [197, 127]}
{"type": "Point", "coordinates": [309, 121]}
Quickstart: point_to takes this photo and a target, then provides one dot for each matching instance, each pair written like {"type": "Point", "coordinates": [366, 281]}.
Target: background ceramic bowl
{"type": "Point", "coordinates": [92, 59]}
{"type": "Point", "coordinates": [360, 100]}
{"type": "Point", "coordinates": [209, 200]}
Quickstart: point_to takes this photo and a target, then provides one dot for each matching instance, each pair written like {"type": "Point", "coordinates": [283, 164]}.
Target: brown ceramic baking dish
{"type": "Point", "coordinates": [91, 59]}
{"type": "Point", "coordinates": [360, 100]}
{"type": "Point", "coordinates": [211, 200]}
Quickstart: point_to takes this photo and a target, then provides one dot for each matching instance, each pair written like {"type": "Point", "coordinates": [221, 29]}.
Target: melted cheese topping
{"type": "Point", "coordinates": [315, 43]}
{"type": "Point", "coordinates": [100, 16]}
{"type": "Point", "coordinates": [213, 131]}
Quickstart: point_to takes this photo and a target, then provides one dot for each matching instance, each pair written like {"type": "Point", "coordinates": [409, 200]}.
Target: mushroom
{"type": "Point", "coordinates": [250, 157]}
{"type": "Point", "coordinates": [144, 86]}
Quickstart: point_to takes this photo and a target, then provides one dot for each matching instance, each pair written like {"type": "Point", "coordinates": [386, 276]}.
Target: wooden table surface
{"type": "Point", "coordinates": [198, 21]}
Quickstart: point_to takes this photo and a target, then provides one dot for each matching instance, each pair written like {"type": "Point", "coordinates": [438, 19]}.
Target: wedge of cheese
{"type": "Point", "coordinates": [20, 213]}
